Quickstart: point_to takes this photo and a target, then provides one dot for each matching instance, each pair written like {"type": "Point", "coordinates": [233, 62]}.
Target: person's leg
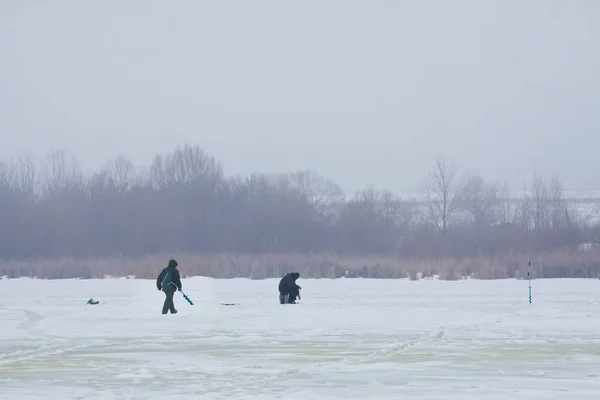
{"type": "Point", "coordinates": [172, 305]}
{"type": "Point", "coordinates": [168, 304]}
{"type": "Point", "coordinates": [165, 308]}
{"type": "Point", "coordinates": [293, 295]}
{"type": "Point", "coordinates": [283, 298]}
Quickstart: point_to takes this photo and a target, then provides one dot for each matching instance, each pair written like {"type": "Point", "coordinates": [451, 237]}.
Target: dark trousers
{"type": "Point", "coordinates": [169, 305]}
{"type": "Point", "coordinates": [289, 297]}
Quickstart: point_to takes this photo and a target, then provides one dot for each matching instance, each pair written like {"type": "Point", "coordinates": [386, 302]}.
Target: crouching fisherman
{"type": "Point", "coordinates": [289, 290]}
{"type": "Point", "coordinates": [169, 282]}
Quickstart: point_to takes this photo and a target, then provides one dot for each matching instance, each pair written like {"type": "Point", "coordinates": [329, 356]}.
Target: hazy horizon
{"type": "Point", "coordinates": [365, 93]}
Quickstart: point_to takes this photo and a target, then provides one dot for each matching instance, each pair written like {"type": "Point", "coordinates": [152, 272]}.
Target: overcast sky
{"type": "Point", "coordinates": [365, 92]}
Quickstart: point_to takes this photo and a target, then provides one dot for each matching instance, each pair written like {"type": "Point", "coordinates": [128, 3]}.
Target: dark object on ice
{"type": "Point", "coordinates": [229, 304]}
{"type": "Point", "coordinates": [289, 290]}
{"type": "Point", "coordinates": [169, 282]}
{"type": "Point", "coordinates": [92, 302]}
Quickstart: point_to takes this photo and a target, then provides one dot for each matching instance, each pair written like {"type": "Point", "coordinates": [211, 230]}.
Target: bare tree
{"type": "Point", "coordinates": [524, 212]}
{"type": "Point", "coordinates": [541, 203]}
{"type": "Point", "coordinates": [24, 178]}
{"type": "Point", "coordinates": [560, 215]}
{"type": "Point", "coordinates": [375, 222]}
{"type": "Point", "coordinates": [358, 225]}
{"type": "Point", "coordinates": [507, 204]}
{"type": "Point", "coordinates": [442, 192]}
{"type": "Point", "coordinates": [395, 211]}
{"type": "Point", "coordinates": [100, 183]}
{"type": "Point", "coordinates": [480, 200]}
{"type": "Point", "coordinates": [187, 166]}
{"type": "Point", "coordinates": [325, 195]}
{"type": "Point", "coordinates": [123, 173]}
{"type": "Point", "coordinates": [61, 174]}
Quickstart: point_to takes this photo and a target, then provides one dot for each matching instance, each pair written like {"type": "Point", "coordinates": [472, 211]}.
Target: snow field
{"type": "Point", "coordinates": [348, 339]}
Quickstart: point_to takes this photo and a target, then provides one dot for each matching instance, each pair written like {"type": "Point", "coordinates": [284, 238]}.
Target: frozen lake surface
{"type": "Point", "coordinates": [348, 339]}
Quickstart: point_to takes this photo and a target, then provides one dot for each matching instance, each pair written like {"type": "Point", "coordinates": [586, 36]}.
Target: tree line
{"type": "Point", "coordinates": [183, 202]}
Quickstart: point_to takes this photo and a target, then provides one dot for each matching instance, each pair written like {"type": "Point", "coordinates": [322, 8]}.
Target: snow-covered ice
{"type": "Point", "coordinates": [348, 339]}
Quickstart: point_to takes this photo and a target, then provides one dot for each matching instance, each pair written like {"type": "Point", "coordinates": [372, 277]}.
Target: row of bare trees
{"type": "Point", "coordinates": [184, 202]}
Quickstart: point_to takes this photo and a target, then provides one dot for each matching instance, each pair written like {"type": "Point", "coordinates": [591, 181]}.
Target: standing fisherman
{"type": "Point", "coordinates": [169, 282]}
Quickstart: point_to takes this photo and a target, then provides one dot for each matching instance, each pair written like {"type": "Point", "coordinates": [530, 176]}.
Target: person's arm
{"type": "Point", "coordinates": [177, 279]}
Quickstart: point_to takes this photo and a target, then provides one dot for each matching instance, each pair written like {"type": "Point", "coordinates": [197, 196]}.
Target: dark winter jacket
{"type": "Point", "coordinates": [169, 280]}
{"type": "Point", "coordinates": [288, 284]}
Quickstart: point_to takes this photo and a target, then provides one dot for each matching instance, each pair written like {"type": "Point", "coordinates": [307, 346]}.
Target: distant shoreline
{"type": "Point", "coordinates": [582, 263]}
